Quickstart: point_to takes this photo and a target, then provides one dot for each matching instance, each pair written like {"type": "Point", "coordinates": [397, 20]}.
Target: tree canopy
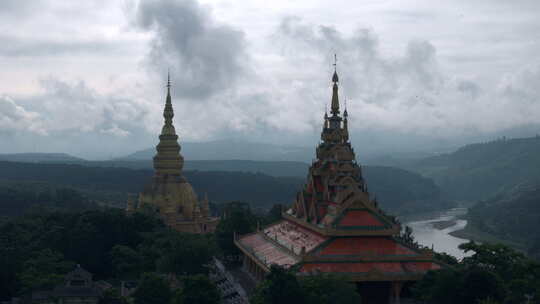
{"type": "Point", "coordinates": [283, 286]}
{"type": "Point", "coordinates": [37, 250]}
{"type": "Point", "coordinates": [494, 273]}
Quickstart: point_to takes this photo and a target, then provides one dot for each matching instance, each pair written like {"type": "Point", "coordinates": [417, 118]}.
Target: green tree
{"type": "Point", "coordinates": [274, 214]}
{"type": "Point", "coordinates": [279, 287]}
{"type": "Point", "coordinates": [237, 219]}
{"type": "Point", "coordinates": [198, 289]}
{"type": "Point", "coordinates": [44, 270]}
{"type": "Point", "coordinates": [493, 273]}
{"type": "Point", "coordinates": [446, 258]}
{"type": "Point", "coordinates": [152, 289]}
{"type": "Point", "coordinates": [440, 286]}
{"type": "Point", "coordinates": [480, 284]}
{"type": "Point", "coordinates": [501, 259]}
{"type": "Point", "coordinates": [534, 249]}
{"type": "Point", "coordinates": [184, 253]}
{"type": "Point", "coordinates": [328, 289]}
{"type": "Point", "coordinates": [112, 296]}
{"type": "Point", "coordinates": [127, 262]}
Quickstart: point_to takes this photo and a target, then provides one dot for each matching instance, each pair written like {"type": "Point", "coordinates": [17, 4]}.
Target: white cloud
{"type": "Point", "coordinates": [410, 69]}
{"type": "Point", "coordinates": [14, 117]}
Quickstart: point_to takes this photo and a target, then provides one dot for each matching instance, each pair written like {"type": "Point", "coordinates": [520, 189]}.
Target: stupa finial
{"type": "Point", "coordinates": [335, 98]}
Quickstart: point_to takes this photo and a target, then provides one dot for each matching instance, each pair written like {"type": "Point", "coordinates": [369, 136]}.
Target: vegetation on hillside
{"type": "Point", "coordinates": [283, 286]}
{"type": "Point", "coordinates": [398, 191]}
{"type": "Point", "coordinates": [37, 250]}
{"type": "Point", "coordinates": [514, 215]}
{"type": "Point", "coordinates": [29, 197]}
{"type": "Point", "coordinates": [492, 274]}
{"type": "Point", "coordinates": [479, 171]}
{"type": "Point", "coordinates": [403, 192]}
{"type": "Point", "coordinates": [114, 184]}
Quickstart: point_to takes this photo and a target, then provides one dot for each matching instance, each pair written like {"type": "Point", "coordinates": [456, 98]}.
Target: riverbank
{"type": "Point", "coordinates": [435, 231]}
{"type": "Point", "coordinates": [472, 233]}
{"type": "Point", "coordinates": [441, 225]}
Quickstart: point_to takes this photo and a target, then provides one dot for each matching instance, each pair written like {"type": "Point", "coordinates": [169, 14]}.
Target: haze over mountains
{"type": "Point", "coordinates": [232, 150]}
{"type": "Point", "coordinates": [494, 172]}
{"type": "Point", "coordinates": [481, 170]}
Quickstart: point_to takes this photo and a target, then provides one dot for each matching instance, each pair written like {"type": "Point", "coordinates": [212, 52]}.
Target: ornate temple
{"type": "Point", "coordinates": [169, 193]}
{"type": "Point", "coordinates": [333, 226]}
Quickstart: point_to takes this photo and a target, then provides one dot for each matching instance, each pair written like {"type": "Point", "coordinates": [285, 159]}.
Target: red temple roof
{"type": "Point", "coordinates": [365, 267]}
{"type": "Point", "coordinates": [356, 218]}
{"type": "Point", "coordinates": [365, 246]}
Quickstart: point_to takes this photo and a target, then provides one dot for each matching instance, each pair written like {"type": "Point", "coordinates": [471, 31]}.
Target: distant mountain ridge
{"type": "Point", "coordinates": [40, 157]}
{"type": "Point", "coordinates": [481, 170]}
{"type": "Point", "coordinates": [232, 150]}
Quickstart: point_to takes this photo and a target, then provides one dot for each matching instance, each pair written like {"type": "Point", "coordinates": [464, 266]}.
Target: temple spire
{"type": "Point", "coordinates": [335, 98]}
{"type": "Point", "coordinates": [168, 112]}
{"type": "Point", "coordinates": [168, 159]}
{"type": "Point", "coordinates": [168, 83]}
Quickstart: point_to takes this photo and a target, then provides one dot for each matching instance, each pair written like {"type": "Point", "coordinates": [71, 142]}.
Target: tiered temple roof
{"type": "Point", "coordinates": [333, 225]}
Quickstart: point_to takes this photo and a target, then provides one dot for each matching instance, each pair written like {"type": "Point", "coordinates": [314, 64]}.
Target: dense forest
{"type": "Point", "coordinates": [18, 198]}
{"type": "Point", "coordinates": [111, 185]}
{"type": "Point", "coordinates": [404, 192]}
{"type": "Point", "coordinates": [37, 250]}
{"type": "Point", "coordinates": [492, 274]}
{"type": "Point", "coordinates": [397, 190]}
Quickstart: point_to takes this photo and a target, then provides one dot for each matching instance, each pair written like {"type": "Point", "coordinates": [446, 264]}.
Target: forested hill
{"type": "Point", "coordinates": [404, 192]}
{"type": "Point", "coordinates": [220, 186]}
{"type": "Point", "coordinates": [398, 191]}
{"type": "Point", "coordinates": [514, 216]}
{"type": "Point", "coordinates": [479, 171]}
{"type": "Point", "coordinates": [272, 168]}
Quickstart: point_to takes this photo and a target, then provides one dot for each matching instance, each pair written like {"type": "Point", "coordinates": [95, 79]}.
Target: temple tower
{"type": "Point", "coordinates": [334, 226]}
{"type": "Point", "coordinates": [170, 194]}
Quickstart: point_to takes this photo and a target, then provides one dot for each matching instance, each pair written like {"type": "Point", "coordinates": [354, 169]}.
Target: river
{"type": "Point", "coordinates": [426, 234]}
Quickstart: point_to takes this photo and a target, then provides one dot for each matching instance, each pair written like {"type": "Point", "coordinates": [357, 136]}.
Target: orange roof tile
{"type": "Point", "coordinates": [360, 218]}
{"type": "Point", "coordinates": [365, 246]}
{"type": "Point", "coordinates": [384, 267]}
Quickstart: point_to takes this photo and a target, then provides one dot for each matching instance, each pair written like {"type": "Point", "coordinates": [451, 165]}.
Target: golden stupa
{"type": "Point", "coordinates": [170, 194]}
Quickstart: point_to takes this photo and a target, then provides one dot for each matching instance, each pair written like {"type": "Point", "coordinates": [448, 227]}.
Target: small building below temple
{"type": "Point", "coordinates": [170, 194]}
{"type": "Point", "coordinates": [334, 226]}
{"type": "Point", "coordinates": [78, 288]}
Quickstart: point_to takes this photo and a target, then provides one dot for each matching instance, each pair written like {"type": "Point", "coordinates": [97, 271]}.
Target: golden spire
{"type": "Point", "coordinates": [345, 123]}
{"type": "Point", "coordinates": [168, 159]}
{"type": "Point", "coordinates": [335, 98]}
{"type": "Point", "coordinates": [168, 113]}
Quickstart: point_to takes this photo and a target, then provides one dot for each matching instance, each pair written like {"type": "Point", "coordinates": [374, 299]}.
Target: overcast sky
{"type": "Point", "coordinates": [88, 77]}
